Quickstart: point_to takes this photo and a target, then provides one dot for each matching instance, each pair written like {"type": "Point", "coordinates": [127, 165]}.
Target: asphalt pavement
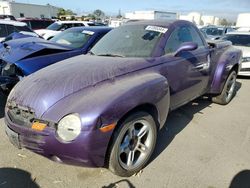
{"type": "Point", "coordinates": [202, 145]}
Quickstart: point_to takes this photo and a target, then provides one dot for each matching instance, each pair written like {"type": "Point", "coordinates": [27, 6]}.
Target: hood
{"type": "Point", "coordinates": [19, 49]}
{"type": "Point", "coordinates": [41, 31]}
{"type": "Point", "coordinates": [245, 50]}
{"type": "Point", "coordinates": [46, 87]}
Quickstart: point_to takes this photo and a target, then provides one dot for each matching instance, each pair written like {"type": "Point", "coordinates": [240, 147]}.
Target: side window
{"type": "Point", "coordinates": [22, 28]}
{"type": "Point", "coordinates": [3, 32]}
{"type": "Point", "coordinates": [67, 26]}
{"type": "Point", "coordinates": [173, 42]}
{"type": "Point", "coordinates": [181, 35]}
{"type": "Point", "coordinates": [36, 24]}
{"type": "Point", "coordinates": [78, 25]}
{"type": "Point", "coordinates": [10, 29]}
{"type": "Point", "coordinates": [178, 36]}
{"type": "Point", "coordinates": [196, 37]}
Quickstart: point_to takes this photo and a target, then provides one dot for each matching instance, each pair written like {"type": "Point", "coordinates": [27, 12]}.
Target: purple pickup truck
{"type": "Point", "coordinates": [104, 109]}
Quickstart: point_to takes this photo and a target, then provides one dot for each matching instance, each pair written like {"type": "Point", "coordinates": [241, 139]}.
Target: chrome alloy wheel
{"type": "Point", "coordinates": [230, 87]}
{"type": "Point", "coordinates": [136, 144]}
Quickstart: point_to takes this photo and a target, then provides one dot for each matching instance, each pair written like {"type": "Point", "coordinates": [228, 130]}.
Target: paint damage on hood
{"type": "Point", "coordinates": [46, 87]}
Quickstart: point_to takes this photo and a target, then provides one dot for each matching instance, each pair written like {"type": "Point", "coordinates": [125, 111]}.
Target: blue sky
{"type": "Point", "coordinates": [223, 8]}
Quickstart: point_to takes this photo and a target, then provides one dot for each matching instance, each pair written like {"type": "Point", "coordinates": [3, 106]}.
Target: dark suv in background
{"type": "Point", "coordinates": [10, 17]}
{"type": "Point", "coordinates": [36, 23]}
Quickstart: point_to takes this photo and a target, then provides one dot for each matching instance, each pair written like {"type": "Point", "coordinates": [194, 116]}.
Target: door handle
{"type": "Point", "coordinates": [203, 66]}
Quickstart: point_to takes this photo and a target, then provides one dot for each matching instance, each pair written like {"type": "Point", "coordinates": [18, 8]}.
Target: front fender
{"type": "Point", "coordinates": [229, 59]}
{"type": "Point", "coordinates": [107, 103]}
{"type": "Point", "coordinates": [112, 99]}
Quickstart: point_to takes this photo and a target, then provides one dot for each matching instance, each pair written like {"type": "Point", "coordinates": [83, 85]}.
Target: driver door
{"type": "Point", "coordinates": [188, 71]}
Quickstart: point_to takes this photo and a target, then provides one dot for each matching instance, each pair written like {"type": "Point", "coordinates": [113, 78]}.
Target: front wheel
{"type": "Point", "coordinates": [228, 91]}
{"type": "Point", "coordinates": [133, 144]}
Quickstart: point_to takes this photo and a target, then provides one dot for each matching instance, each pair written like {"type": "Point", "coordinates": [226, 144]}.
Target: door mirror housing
{"type": "Point", "coordinates": [186, 46]}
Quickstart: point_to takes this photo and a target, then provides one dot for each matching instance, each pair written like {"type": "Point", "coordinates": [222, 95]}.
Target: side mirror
{"type": "Point", "coordinates": [186, 46]}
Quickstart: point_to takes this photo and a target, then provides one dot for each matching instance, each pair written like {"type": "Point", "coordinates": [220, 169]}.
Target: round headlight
{"type": "Point", "coordinates": [69, 127]}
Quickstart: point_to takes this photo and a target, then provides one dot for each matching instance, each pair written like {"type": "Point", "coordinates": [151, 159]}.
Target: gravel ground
{"type": "Point", "coordinates": [202, 145]}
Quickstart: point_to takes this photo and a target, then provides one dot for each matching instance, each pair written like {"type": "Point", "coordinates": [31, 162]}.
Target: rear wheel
{"type": "Point", "coordinates": [228, 91]}
{"type": "Point", "coordinates": [133, 144]}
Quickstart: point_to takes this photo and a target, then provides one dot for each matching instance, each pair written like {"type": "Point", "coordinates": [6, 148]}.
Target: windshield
{"type": "Point", "coordinates": [213, 31]}
{"type": "Point", "coordinates": [129, 41]}
{"type": "Point", "coordinates": [238, 40]}
{"type": "Point", "coordinates": [73, 39]}
{"type": "Point", "coordinates": [55, 26]}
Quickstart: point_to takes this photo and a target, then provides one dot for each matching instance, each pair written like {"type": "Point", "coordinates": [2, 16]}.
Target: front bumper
{"type": "Point", "coordinates": [87, 150]}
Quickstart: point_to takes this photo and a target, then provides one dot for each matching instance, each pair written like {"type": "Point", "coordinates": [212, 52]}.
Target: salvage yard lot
{"type": "Point", "coordinates": [202, 145]}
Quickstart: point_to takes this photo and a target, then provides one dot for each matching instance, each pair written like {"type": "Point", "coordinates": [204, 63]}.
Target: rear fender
{"type": "Point", "coordinates": [228, 60]}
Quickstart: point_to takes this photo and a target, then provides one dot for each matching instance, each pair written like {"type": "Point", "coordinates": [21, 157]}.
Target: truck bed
{"type": "Point", "coordinates": [218, 43]}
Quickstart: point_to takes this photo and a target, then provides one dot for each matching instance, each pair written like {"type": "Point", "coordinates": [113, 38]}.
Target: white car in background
{"type": "Point", "coordinates": [60, 26]}
{"type": "Point", "coordinates": [241, 40]}
{"type": "Point", "coordinates": [8, 27]}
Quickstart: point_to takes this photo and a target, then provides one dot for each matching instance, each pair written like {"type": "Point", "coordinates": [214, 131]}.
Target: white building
{"type": "Point", "coordinates": [150, 15]}
{"type": "Point", "coordinates": [243, 20]}
{"type": "Point", "coordinates": [115, 22]}
{"type": "Point", "coordinates": [27, 10]}
{"type": "Point", "coordinates": [194, 17]}
{"type": "Point", "coordinates": [201, 20]}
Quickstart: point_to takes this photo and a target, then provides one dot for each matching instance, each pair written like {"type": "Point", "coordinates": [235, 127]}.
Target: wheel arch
{"type": "Point", "coordinates": [229, 61]}
{"type": "Point", "coordinates": [146, 107]}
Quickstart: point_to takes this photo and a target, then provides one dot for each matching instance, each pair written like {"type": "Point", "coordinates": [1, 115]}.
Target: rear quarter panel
{"type": "Point", "coordinates": [223, 60]}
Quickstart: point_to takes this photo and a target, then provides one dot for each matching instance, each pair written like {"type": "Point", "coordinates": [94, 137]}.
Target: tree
{"type": "Point", "coordinates": [224, 22]}
{"type": "Point", "coordinates": [99, 14]}
{"type": "Point", "coordinates": [62, 12]}
{"type": "Point", "coordinates": [201, 23]}
{"type": "Point", "coordinates": [91, 16]}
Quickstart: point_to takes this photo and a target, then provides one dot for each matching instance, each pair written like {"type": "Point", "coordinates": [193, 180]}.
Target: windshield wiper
{"type": "Point", "coordinates": [111, 55]}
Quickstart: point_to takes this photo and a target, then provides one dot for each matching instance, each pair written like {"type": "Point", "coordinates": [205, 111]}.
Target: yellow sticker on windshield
{"type": "Point", "coordinates": [157, 29]}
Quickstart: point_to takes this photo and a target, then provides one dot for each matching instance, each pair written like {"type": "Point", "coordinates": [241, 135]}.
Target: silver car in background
{"type": "Point", "coordinates": [241, 40]}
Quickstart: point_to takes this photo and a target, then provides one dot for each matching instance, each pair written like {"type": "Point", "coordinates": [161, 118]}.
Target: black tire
{"type": "Point", "coordinates": [116, 158]}
{"type": "Point", "coordinates": [228, 91]}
